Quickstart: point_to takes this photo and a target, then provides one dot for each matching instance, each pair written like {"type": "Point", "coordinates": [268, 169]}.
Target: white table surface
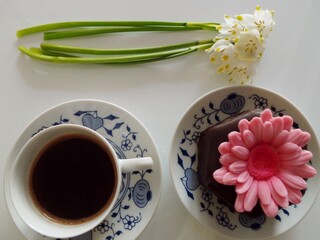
{"type": "Point", "coordinates": [156, 93]}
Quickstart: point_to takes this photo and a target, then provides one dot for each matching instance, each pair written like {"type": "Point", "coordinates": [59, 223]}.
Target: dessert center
{"type": "Point", "coordinates": [263, 162]}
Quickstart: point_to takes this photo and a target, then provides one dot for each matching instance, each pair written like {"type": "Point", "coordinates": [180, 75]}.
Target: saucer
{"type": "Point", "coordinates": [214, 107]}
{"type": "Point", "coordinates": [140, 190]}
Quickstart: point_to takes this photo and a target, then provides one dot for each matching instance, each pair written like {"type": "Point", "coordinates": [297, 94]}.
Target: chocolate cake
{"type": "Point", "coordinates": [208, 158]}
{"type": "Point", "coordinates": [255, 163]}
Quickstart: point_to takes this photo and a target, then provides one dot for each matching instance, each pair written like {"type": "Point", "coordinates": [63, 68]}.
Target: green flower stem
{"type": "Point", "coordinates": [135, 58]}
{"type": "Point", "coordinates": [103, 30]}
{"type": "Point", "coordinates": [97, 51]}
{"type": "Point", "coordinates": [49, 53]}
{"type": "Point", "coordinates": [205, 26]}
{"type": "Point", "coordinates": [72, 54]}
{"type": "Point", "coordinates": [114, 24]}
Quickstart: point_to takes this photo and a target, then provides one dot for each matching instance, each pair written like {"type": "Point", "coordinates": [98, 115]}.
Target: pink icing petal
{"type": "Point", "coordinates": [249, 139]}
{"type": "Point", "coordinates": [271, 210]}
{"type": "Point", "coordinates": [256, 126]}
{"type": "Point", "coordinates": [235, 139]}
{"type": "Point", "coordinates": [238, 167]}
{"type": "Point", "coordinates": [277, 123]}
{"type": "Point", "coordinates": [288, 122]}
{"type": "Point", "coordinates": [304, 139]}
{"type": "Point", "coordinates": [292, 180]}
{"type": "Point", "coordinates": [294, 195]}
{"type": "Point", "coordinates": [238, 205]}
{"type": "Point", "coordinates": [264, 192]}
{"type": "Point", "coordinates": [240, 152]}
{"type": "Point", "coordinates": [307, 171]}
{"type": "Point", "coordinates": [243, 187]}
{"type": "Point", "coordinates": [251, 197]}
{"type": "Point", "coordinates": [294, 135]}
{"type": "Point", "coordinates": [224, 148]}
{"type": "Point", "coordinates": [304, 157]}
{"type": "Point", "coordinates": [228, 159]}
{"type": "Point", "coordinates": [243, 125]}
{"type": "Point", "coordinates": [266, 115]}
{"type": "Point", "coordinates": [304, 171]}
{"type": "Point", "coordinates": [299, 137]}
{"type": "Point", "coordinates": [290, 156]}
{"type": "Point", "coordinates": [243, 177]}
{"type": "Point", "coordinates": [229, 179]}
{"type": "Point", "coordinates": [288, 148]}
{"type": "Point", "coordinates": [278, 186]}
{"type": "Point", "coordinates": [281, 138]}
{"type": "Point", "coordinates": [281, 201]}
{"type": "Point", "coordinates": [267, 132]}
{"type": "Point", "coordinates": [219, 173]}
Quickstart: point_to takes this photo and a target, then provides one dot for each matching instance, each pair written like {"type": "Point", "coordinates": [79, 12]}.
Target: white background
{"type": "Point", "coordinates": [156, 93]}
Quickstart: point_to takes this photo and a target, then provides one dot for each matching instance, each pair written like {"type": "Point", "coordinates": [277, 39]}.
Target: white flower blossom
{"type": "Point", "coordinates": [240, 44]}
{"type": "Point", "coordinates": [249, 46]}
{"type": "Point", "coordinates": [230, 30]}
{"type": "Point", "coordinates": [241, 72]}
{"type": "Point", "coordinates": [262, 20]}
{"type": "Point", "coordinates": [225, 55]}
{"type": "Point", "coordinates": [222, 53]}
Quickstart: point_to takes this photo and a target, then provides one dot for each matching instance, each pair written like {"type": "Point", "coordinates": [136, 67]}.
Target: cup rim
{"type": "Point", "coordinates": [50, 228]}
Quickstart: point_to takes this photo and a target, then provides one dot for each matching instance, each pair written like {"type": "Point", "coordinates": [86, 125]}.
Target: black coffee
{"type": "Point", "coordinates": [72, 179]}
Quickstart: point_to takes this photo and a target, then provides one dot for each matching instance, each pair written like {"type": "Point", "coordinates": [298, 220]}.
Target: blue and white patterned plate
{"type": "Point", "coordinates": [140, 190]}
{"type": "Point", "coordinates": [201, 203]}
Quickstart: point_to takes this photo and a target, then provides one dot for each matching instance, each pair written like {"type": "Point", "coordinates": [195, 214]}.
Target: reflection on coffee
{"type": "Point", "coordinates": [72, 179]}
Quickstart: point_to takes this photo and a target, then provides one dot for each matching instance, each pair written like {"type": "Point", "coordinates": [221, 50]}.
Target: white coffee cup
{"type": "Point", "coordinates": [20, 175]}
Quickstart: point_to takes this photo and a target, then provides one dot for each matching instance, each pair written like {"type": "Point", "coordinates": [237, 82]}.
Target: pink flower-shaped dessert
{"type": "Point", "coordinates": [266, 163]}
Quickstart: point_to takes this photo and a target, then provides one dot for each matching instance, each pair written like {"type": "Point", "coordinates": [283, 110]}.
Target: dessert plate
{"type": "Point", "coordinates": [140, 190]}
{"type": "Point", "coordinates": [214, 107]}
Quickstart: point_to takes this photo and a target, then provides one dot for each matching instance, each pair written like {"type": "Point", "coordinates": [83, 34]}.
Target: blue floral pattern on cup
{"type": "Point", "coordinates": [209, 115]}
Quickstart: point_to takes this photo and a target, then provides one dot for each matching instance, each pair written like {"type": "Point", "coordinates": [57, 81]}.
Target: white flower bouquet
{"type": "Point", "coordinates": [235, 50]}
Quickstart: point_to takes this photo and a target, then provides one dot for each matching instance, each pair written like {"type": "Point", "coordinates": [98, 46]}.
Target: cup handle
{"type": "Point", "coordinates": [134, 164]}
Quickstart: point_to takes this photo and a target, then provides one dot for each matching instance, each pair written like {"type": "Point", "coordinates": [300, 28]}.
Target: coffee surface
{"type": "Point", "coordinates": [72, 180]}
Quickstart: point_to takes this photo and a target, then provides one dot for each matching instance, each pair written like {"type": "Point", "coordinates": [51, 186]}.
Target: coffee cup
{"type": "Point", "coordinates": [66, 180]}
